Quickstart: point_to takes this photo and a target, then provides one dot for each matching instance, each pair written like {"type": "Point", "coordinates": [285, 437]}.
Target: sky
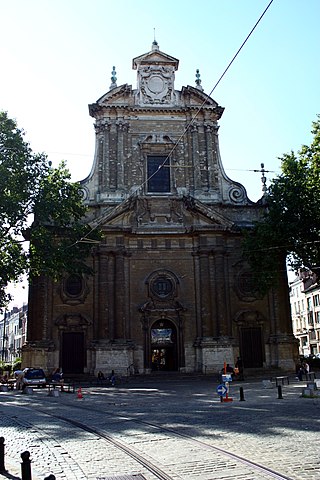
{"type": "Point", "coordinates": [56, 57]}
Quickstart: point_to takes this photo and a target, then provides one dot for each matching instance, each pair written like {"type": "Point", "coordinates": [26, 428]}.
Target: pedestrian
{"type": "Point", "coordinates": [112, 378]}
{"type": "Point", "coordinates": [303, 370]}
{"type": "Point", "coordinates": [20, 383]}
{"type": "Point", "coordinates": [57, 377]}
{"type": "Point", "coordinates": [100, 377]}
{"type": "Point", "coordinates": [239, 366]}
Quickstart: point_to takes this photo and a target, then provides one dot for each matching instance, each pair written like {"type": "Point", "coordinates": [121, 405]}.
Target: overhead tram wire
{"type": "Point", "coordinates": [191, 121]}
{"type": "Point", "coordinates": [204, 101]}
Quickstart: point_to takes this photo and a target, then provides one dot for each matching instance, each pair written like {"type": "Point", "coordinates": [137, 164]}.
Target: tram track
{"type": "Point", "coordinates": [153, 462]}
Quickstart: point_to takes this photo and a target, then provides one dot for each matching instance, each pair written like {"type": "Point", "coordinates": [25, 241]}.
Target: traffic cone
{"type": "Point", "coordinates": [79, 393]}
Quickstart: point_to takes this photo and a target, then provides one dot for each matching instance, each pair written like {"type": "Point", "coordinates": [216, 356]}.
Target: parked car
{"type": "Point", "coordinates": [34, 377]}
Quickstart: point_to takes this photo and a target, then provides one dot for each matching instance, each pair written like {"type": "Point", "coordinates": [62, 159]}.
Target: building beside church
{"type": "Point", "coordinates": [170, 289]}
{"type": "Point", "coordinates": [305, 312]}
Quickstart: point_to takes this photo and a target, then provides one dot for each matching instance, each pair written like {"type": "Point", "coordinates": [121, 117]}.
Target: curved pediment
{"type": "Point", "coordinates": [194, 96]}
{"type": "Point", "coordinates": [115, 96]}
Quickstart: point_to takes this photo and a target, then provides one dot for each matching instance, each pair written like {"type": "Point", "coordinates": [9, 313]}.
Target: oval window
{"type": "Point", "coordinates": [73, 285]}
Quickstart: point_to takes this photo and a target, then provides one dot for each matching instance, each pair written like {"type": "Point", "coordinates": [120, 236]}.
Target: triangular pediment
{"type": "Point", "coordinates": [155, 57]}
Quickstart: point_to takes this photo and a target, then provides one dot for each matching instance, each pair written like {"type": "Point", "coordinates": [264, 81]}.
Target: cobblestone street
{"type": "Point", "coordinates": [177, 424]}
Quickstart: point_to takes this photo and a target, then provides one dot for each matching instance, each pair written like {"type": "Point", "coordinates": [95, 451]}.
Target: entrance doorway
{"type": "Point", "coordinates": [164, 351]}
{"type": "Point", "coordinates": [251, 347]}
{"type": "Point", "coordinates": [72, 357]}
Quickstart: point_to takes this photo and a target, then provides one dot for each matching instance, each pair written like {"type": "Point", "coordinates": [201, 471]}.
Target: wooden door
{"type": "Point", "coordinates": [73, 354]}
{"type": "Point", "coordinates": [251, 347]}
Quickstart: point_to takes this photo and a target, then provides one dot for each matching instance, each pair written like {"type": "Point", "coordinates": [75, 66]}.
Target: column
{"type": "Point", "coordinates": [120, 157]}
{"type": "Point", "coordinates": [195, 157]}
{"type": "Point", "coordinates": [197, 283]}
{"type": "Point", "coordinates": [119, 296]}
{"type": "Point", "coordinates": [102, 328]}
{"type": "Point", "coordinates": [37, 309]}
{"type": "Point", "coordinates": [209, 147]}
{"type": "Point", "coordinates": [106, 157]}
{"type": "Point", "coordinates": [222, 310]}
{"type": "Point", "coordinates": [110, 293]}
{"type": "Point", "coordinates": [205, 297]}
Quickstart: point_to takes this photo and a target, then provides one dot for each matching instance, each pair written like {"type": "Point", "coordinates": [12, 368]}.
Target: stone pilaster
{"type": "Point", "coordinates": [102, 327]}
{"type": "Point", "coordinates": [120, 296]}
{"type": "Point", "coordinates": [110, 292]}
{"type": "Point", "coordinates": [195, 157]}
{"type": "Point", "coordinates": [205, 297]}
{"type": "Point", "coordinates": [106, 158]}
{"type": "Point", "coordinates": [38, 309]}
{"type": "Point", "coordinates": [222, 311]}
{"type": "Point", "coordinates": [120, 159]}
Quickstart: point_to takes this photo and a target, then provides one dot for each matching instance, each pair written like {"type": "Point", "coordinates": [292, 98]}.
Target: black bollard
{"type": "Point", "coordinates": [241, 395]}
{"type": "Point", "coordinates": [50, 477]}
{"type": "Point", "coordinates": [280, 392]}
{"type": "Point", "coordinates": [26, 466]}
{"type": "Point", "coordinates": [2, 467]}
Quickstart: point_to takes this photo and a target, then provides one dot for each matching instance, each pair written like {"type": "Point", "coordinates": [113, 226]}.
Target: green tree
{"type": "Point", "coordinates": [42, 216]}
{"type": "Point", "coordinates": [291, 225]}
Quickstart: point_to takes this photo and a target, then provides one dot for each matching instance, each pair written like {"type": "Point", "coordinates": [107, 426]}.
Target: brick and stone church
{"type": "Point", "coordinates": [170, 289]}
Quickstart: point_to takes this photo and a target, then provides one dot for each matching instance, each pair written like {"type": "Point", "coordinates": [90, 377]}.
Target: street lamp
{"type": "Point", "coordinates": [4, 337]}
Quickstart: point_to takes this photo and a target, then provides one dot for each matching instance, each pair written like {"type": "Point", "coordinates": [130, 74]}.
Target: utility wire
{"type": "Point", "coordinates": [191, 121]}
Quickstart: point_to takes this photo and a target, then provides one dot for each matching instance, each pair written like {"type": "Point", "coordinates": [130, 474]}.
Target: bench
{"type": "Point", "coordinates": [64, 387]}
{"type": "Point", "coordinates": [282, 380]}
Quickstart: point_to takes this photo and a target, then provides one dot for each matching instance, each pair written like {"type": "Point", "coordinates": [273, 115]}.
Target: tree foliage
{"type": "Point", "coordinates": [41, 213]}
{"type": "Point", "coordinates": [291, 224]}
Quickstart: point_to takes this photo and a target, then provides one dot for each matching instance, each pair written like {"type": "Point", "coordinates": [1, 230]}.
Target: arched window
{"type": "Point", "coordinates": [162, 286]}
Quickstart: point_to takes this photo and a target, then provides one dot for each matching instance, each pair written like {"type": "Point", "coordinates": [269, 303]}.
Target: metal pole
{"type": "Point", "coordinates": [241, 395]}
{"type": "Point", "coordinates": [2, 467]}
{"type": "Point", "coordinates": [26, 466]}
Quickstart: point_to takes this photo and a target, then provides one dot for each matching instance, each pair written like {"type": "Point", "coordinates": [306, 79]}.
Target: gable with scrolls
{"type": "Point", "coordinates": [150, 213]}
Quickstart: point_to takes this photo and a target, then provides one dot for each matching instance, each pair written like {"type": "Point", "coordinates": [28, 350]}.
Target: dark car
{"type": "Point", "coordinates": [34, 377]}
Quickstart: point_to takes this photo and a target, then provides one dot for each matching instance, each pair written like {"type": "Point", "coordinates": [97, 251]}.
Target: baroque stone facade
{"type": "Point", "coordinates": [170, 289]}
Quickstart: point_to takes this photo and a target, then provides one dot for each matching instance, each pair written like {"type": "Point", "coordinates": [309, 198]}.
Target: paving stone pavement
{"type": "Point", "coordinates": [282, 434]}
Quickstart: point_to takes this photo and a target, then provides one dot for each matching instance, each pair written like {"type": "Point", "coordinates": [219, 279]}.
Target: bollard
{"type": "Point", "coordinates": [241, 395]}
{"type": "Point", "coordinates": [2, 467]}
{"type": "Point", "coordinates": [50, 477]}
{"type": "Point", "coordinates": [26, 466]}
{"type": "Point", "coordinates": [280, 392]}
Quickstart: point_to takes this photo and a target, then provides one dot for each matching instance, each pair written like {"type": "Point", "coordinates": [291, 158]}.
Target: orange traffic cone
{"type": "Point", "coordinates": [79, 393]}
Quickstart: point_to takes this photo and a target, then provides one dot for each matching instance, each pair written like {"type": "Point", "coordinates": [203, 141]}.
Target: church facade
{"type": "Point", "coordinates": [170, 289]}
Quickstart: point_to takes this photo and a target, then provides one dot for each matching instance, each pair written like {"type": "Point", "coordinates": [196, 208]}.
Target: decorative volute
{"type": "Point", "coordinates": [155, 77]}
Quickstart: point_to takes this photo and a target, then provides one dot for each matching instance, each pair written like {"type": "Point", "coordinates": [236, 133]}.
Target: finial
{"type": "Point", "coordinates": [263, 179]}
{"type": "Point", "coordinates": [198, 81]}
{"type": "Point", "coordinates": [113, 78]}
{"type": "Point", "coordinates": [155, 45]}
